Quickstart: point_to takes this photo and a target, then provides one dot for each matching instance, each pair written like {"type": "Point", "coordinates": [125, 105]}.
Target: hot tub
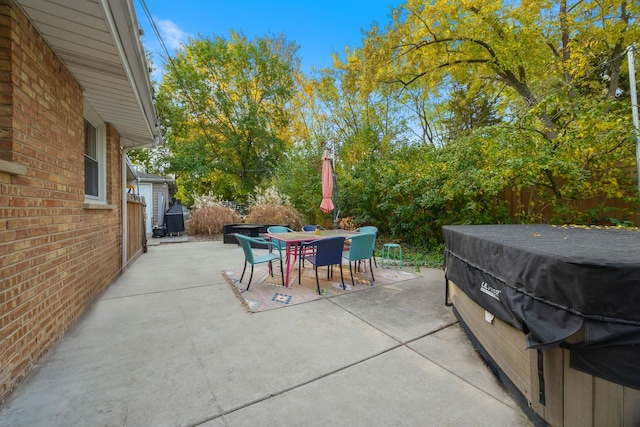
{"type": "Point", "coordinates": [556, 312]}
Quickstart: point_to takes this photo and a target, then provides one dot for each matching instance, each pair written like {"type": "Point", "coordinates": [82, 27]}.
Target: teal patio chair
{"type": "Point", "coordinates": [361, 249]}
{"type": "Point", "coordinates": [251, 258]}
{"type": "Point", "coordinates": [374, 230]}
{"type": "Point", "coordinates": [367, 229]}
{"type": "Point", "coordinates": [279, 229]}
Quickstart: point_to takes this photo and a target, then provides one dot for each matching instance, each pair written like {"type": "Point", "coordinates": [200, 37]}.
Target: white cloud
{"type": "Point", "coordinates": [172, 35]}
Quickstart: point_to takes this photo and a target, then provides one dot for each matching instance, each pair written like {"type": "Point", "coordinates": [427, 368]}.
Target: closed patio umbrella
{"type": "Point", "coordinates": [327, 183]}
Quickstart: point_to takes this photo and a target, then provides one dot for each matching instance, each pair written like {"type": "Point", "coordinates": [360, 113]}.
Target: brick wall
{"type": "Point", "coordinates": [6, 88]}
{"type": "Point", "coordinates": [56, 253]}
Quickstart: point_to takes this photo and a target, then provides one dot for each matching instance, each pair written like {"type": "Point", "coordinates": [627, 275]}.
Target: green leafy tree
{"type": "Point", "coordinates": [226, 114]}
{"type": "Point", "coordinates": [357, 130]}
{"type": "Point", "coordinates": [551, 70]}
{"type": "Point", "coordinates": [469, 110]}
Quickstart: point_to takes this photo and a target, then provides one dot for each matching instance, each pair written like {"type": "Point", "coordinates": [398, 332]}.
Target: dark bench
{"type": "Point", "coordinates": [248, 230]}
{"type": "Point", "coordinates": [251, 230]}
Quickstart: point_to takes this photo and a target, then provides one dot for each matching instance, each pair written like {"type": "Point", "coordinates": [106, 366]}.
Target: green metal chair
{"type": "Point", "coordinates": [390, 252]}
{"type": "Point", "coordinates": [251, 258]}
{"type": "Point", "coordinates": [361, 248]}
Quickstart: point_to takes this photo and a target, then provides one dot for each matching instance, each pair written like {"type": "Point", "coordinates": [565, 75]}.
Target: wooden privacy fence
{"type": "Point", "coordinates": [525, 203]}
{"type": "Point", "coordinates": [136, 233]}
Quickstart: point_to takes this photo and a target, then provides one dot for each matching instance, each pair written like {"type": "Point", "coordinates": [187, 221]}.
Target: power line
{"type": "Point", "coordinates": [181, 81]}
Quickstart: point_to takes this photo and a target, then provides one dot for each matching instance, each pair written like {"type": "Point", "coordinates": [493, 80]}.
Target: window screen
{"type": "Point", "coordinates": [90, 159]}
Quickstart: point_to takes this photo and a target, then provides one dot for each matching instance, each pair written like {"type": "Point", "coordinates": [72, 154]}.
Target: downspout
{"type": "Point", "coordinates": [125, 233]}
{"type": "Point", "coordinates": [111, 22]}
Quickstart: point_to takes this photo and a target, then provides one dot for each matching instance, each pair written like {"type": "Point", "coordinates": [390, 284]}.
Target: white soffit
{"type": "Point", "coordinates": [99, 42]}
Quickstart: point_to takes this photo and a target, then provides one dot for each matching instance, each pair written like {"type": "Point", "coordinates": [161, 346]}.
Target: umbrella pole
{"type": "Point", "coordinates": [336, 202]}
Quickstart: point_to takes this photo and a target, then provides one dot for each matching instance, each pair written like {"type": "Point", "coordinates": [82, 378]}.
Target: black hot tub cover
{"type": "Point", "coordinates": [549, 281]}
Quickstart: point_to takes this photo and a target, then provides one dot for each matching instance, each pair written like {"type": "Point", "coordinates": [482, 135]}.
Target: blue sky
{"type": "Point", "coordinates": [319, 27]}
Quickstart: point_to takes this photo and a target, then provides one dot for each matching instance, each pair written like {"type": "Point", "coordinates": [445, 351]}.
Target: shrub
{"type": "Point", "coordinates": [264, 214]}
{"type": "Point", "coordinates": [347, 223]}
{"type": "Point", "coordinates": [209, 214]}
{"type": "Point", "coordinates": [271, 207]}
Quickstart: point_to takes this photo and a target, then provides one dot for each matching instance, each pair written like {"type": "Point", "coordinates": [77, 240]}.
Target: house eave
{"type": "Point", "coordinates": [99, 42]}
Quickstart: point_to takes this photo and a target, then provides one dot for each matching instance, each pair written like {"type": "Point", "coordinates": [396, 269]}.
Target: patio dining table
{"type": "Point", "coordinates": [294, 239]}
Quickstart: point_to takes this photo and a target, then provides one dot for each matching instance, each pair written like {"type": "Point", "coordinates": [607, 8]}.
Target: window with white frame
{"type": "Point", "coordinates": [94, 156]}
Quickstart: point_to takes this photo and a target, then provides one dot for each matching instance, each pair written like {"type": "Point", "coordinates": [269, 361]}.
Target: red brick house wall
{"type": "Point", "coordinates": [57, 254]}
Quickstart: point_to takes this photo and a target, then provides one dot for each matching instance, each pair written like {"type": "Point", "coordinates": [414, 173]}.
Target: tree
{"type": "Point", "coordinates": [358, 130]}
{"type": "Point", "coordinates": [551, 70]}
{"type": "Point", "coordinates": [225, 108]}
{"type": "Point", "coordinates": [469, 110]}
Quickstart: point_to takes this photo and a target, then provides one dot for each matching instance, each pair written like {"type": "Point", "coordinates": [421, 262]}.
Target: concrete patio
{"type": "Point", "coordinates": [169, 344]}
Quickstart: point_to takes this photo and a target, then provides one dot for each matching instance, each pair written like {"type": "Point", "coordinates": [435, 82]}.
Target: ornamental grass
{"type": "Point", "coordinates": [208, 216]}
{"type": "Point", "coordinates": [272, 207]}
{"type": "Point", "coordinates": [284, 215]}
